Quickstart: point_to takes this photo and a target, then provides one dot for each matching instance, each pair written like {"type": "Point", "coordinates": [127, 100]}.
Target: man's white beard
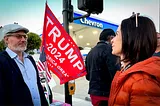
{"type": "Point", "coordinates": [19, 49]}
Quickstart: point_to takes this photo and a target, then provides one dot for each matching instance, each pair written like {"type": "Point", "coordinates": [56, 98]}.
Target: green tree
{"type": "Point", "coordinates": [34, 42]}
{"type": "Point", "coordinates": [2, 45]}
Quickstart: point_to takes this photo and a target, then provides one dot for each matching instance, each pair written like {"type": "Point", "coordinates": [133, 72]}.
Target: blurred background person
{"type": "Point", "coordinates": [101, 66]}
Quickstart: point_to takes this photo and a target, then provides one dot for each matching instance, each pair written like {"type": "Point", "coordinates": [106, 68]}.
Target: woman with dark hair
{"type": "Point", "coordinates": [138, 83]}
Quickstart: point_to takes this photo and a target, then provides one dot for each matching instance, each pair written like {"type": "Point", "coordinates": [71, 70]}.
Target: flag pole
{"type": "Point", "coordinates": [47, 85]}
{"type": "Point", "coordinates": [44, 59]}
{"type": "Point", "coordinates": [43, 73]}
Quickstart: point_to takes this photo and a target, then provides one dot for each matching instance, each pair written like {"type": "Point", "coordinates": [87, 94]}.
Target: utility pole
{"type": "Point", "coordinates": [65, 12]}
{"type": "Point", "coordinates": [90, 6]}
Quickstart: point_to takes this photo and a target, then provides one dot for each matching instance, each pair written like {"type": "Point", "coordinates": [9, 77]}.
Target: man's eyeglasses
{"type": "Point", "coordinates": [18, 36]}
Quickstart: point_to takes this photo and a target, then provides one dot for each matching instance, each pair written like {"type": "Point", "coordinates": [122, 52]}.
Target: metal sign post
{"type": "Point", "coordinates": [65, 12]}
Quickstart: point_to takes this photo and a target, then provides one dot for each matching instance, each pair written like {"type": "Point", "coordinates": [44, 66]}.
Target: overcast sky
{"type": "Point", "coordinates": [30, 13]}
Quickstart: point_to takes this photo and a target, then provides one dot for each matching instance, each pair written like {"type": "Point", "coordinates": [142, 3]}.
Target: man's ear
{"type": "Point", "coordinates": [5, 39]}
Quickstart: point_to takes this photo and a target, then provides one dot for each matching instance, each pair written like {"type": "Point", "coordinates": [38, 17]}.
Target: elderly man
{"type": "Point", "coordinates": [19, 80]}
{"type": "Point", "coordinates": [157, 52]}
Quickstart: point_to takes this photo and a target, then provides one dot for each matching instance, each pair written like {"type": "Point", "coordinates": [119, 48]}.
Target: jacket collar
{"type": "Point", "coordinates": [13, 54]}
{"type": "Point", "coordinates": [103, 41]}
{"type": "Point", "coordinates": [150, 66]}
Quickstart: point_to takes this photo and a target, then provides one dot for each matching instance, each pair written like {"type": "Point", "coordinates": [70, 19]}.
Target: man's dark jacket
{"type": "Point", "coordinates": [13, 89]}
{"type": "Point", "coordinates": [101, 66]}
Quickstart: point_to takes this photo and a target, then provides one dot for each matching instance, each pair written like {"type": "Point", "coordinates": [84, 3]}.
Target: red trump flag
{"type": "Point", "coordinates": [63, 57]}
